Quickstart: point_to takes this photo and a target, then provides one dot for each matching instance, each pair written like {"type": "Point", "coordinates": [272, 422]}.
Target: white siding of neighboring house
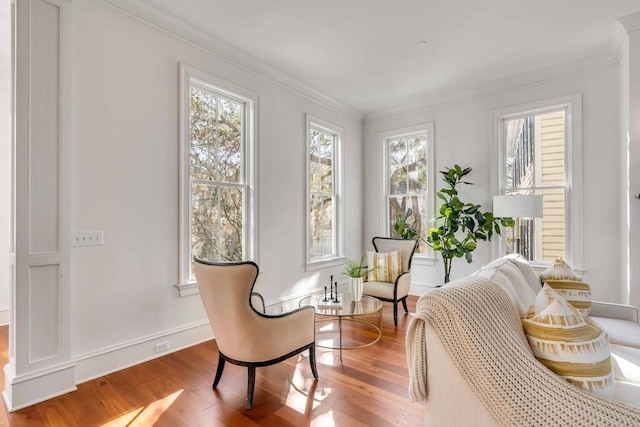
{"type": "Point", "coordinates": [551, 130]}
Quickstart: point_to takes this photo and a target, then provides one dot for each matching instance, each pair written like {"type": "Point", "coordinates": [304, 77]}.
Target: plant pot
{"type": "Point", "coordinates": [356, 288]}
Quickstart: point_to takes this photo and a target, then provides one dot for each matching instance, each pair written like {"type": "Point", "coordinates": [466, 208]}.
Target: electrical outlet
{"type": "Point", "coordinates": [163, 346]}
{"type": "Point", "coordinates": [88, 238]}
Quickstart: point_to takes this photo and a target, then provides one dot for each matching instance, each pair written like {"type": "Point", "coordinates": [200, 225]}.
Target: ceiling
{"type": "Point", "coordinates": [365, 53]}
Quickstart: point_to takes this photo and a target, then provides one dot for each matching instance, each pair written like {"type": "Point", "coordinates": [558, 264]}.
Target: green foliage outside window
{"type": "Point", "coordinates": [215, 171]}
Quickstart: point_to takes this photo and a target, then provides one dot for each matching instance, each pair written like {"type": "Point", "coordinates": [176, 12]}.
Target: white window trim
{"type": "Point", "coordinates": [572, 104]}
{"type": "Point", "coordinates": [428, 258]}
{"type": "Point", "coordinates": [188, 74]}
{"type": "Point", "coordinates": [338, 174]}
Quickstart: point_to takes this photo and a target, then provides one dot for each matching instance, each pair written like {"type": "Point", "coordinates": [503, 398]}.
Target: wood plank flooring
{"type": "Point", "coordinates": [369, 388]}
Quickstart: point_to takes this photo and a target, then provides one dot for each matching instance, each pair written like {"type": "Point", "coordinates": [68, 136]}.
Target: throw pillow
{"type": "Point", "coordinates": [527, 271]}
{"type": "Point", "coordinates": [577, 293]}
{"type": "Point", "coordinates": [569, 344]}
{"type": "Point", "coordinates": [384, 266]}
{"type": "Point", "coordinates": [511, 279]}
{"type": "Point", "coordinates": [559, 270]}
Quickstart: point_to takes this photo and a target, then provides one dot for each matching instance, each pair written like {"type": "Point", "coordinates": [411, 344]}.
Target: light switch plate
{"type": "Point", "coordinates": [88, 238]}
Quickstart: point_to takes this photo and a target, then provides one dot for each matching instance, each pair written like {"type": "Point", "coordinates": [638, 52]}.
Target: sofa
{"type": "Point", "coordinates": [471, 364]}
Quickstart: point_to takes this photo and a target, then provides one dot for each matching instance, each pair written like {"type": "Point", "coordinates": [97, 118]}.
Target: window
{"type": "Point", "coordinates": [324, 204]}
{"type": "Point", "coordinates": [538, 155]}
{"type": "Point", "coordinates": [217, 190]}
{"type": "Point", "coordinates": [408, 179]}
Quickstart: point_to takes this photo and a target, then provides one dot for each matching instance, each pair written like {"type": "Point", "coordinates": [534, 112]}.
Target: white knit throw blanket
{"type": "Point", "coordinates": [490, 350]}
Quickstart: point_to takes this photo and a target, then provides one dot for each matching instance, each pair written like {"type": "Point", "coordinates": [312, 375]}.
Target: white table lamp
{"type": "Point", "coordinates": [517, 206]}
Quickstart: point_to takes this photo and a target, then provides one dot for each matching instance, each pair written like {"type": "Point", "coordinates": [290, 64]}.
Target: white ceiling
{"type": "Point", "coordinates": [365, 53]}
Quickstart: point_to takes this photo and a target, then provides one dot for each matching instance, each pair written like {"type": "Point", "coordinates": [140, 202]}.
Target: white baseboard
{"type": "Point", "coordinates": [29, 389]}
{"type": "Point", "coordinates": [36, 387]}
{"type": "Point", "coordinates": [101, 362]}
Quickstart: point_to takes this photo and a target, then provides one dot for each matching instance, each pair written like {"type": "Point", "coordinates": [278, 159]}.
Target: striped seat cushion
{"type": "Point", "coordinates": [569, 344]}
{"type": "Point", "coordinates": [383, 266]}
{"type": "Point", "coordinates": [577, 293]}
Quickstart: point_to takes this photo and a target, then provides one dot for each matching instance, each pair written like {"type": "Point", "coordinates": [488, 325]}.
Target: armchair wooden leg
{"type": "Point", "coordinates": [221, 363]}
{"type": "Point", "coordinates": [395, 313]}
{"type": "Point", "coordinates": [251, 381]}
{"type": "Point", "coordinates": [312, 360]}
{"type": "Point", "coordinates": [404, 304]}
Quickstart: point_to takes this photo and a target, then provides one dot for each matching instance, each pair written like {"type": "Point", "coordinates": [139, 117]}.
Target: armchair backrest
{"type": "Point", "coordinates": [407, 248]}
{"type": "Point", "coordinates": [225, 290]}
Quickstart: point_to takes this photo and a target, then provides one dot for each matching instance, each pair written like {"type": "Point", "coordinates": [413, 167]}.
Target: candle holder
{"type": "Point", "coordinates": [325, 295]}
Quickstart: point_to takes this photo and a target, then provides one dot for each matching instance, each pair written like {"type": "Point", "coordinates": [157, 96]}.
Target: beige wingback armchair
{"type": "Point", "coordinates": [398, 290]}
{"type": "Point", "coordinates": [246, 336]}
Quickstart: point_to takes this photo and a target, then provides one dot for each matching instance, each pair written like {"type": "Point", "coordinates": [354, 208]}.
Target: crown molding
{"type": "Point", "coordinates": [431, 100]}
{"type": "Point", "coordinates": [631, 23]}
{"type": "Point", "coordinates": [162, 20]}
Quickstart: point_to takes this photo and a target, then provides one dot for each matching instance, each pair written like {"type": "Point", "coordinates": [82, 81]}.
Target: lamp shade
{"type": "Point", "coordinates": [517, 206]}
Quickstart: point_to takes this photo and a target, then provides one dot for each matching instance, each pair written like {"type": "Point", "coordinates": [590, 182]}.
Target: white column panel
{"type": "Point", "coordinates": [44, 312]}
{"type": "Point", "coordinates": [39, 363]}
{"type": "Point", "coordinates": [44, 138]}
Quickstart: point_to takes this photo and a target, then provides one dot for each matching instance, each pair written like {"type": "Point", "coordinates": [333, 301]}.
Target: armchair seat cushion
{"type": "Point", "coordinates": [622, 332]}
{"type": "Point", "coordinates": [379, 289]}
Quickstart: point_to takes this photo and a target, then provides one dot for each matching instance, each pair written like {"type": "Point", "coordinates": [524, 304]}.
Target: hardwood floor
{"type": "Point", "coordinates": [369, 388]}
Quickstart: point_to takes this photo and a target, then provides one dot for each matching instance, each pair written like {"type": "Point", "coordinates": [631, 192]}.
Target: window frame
{"type": "Point", "coordinates": [338, 258]}
{"type": "Point", "coordinates": [427, 258]}
{"type": "Point", "coordinates": [572, 105]}
{"type": "Point", "coordinates": [192, 77]}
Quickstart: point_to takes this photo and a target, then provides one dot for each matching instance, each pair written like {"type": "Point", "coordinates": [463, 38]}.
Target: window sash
{"type": "Point", "coordinates": [539, 244]}
{"type": "Point", "coordinates": [329, 190]}
{"type": "Point", "coordinates": [241, 182]}
{"type": "Point", "coordinates": [424, 255]}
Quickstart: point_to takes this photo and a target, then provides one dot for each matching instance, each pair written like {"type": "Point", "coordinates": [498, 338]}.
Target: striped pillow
{"type": "Point", "coordinates": [383, 266]}
{"type": "Point", "coordinates": [559, 270]}
{"type": "Point", "coordinates": [577, 293]}
{"type": "Point", "coordinates": [568, 344]}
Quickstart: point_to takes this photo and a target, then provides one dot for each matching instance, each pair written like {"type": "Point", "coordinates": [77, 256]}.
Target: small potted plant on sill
{"type": "Point", "coordinates": [356, 272]}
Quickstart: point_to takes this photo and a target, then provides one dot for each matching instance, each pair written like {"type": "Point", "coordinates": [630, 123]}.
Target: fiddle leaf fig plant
{"type": "Point", "coordinates": [461, 224]}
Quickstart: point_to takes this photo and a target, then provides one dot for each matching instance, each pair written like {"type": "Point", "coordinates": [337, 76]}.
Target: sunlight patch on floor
{"type": "Point", "coordinates": [327, 357]}
{"type": "Point", "coordinates": [145, 416]}
{"type": "Point", "coordinates": [325, 420]}
{"type": "Point", "coordinates": [328, 328]}
{"type": "Point", "coordinates": [300, 392]}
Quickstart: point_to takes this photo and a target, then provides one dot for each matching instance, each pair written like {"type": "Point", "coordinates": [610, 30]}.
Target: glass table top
{"type": "Point", "coordinates": [346, 306]}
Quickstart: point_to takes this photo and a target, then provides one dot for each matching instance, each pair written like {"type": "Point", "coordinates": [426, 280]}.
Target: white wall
{"type": "Point", "coordinates": [462, 132]}
{"type": "Point", "coordinates": [125, 182]}
{"type": "Point", "coordinates": [5, 158]}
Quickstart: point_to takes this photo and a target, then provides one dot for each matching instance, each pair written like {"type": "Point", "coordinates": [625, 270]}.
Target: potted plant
{"type": "Point", "coordinates": [356, 271]}
{"type": "Point", "coordinates": [461, 224]}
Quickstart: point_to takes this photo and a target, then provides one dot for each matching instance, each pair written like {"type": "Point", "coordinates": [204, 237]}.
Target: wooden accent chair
{"type": "Point", "coordinates": [398, 290]}
{"type": "Point", "coordinates": [246, 336]}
